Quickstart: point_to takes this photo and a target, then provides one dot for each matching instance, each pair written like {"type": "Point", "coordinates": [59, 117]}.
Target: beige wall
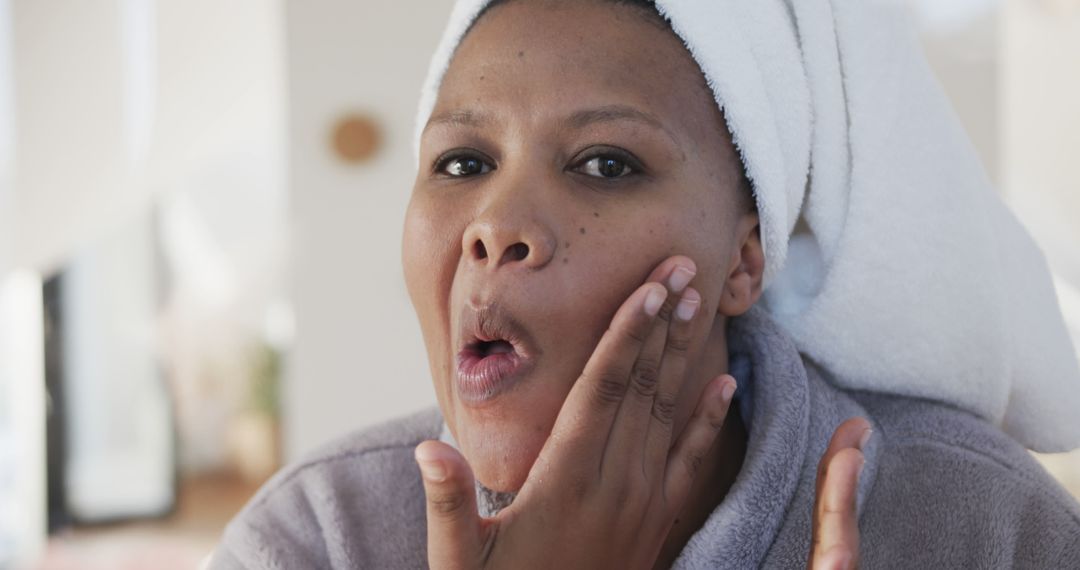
{"type": "Point", "coordinates": [71, 164]}
{"type": "Point", "coordinates": [358, 356]}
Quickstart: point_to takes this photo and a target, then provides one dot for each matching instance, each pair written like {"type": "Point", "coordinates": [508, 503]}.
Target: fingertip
{"type": "Point", "coordinates": [434, 459]}
{"type": "Point", "coordinates": [679, 263]}
{"type": "Point", "coordinates": [674, 272]}
{"type": "Point", "coordinates": [728, 387]}
{"type": "Point", "coordinates": [685, 261]}
{"type": "Point", "coordinates": [721, 389]}
{"type": "Point", "coordinates": [688, 304]}
{"type": "Point", "coordinates": [859, 430]}
{"type": "Point", "coordinates": [854, 432]}
{"type": "Point", "coordinates": [865, 438]}
{"type": "Point", "coordinates": [655, 296]}
{"type": "Point", "coordinates": [716, 401]}
{"type": "Point", "coordinates": [430, 450]}
{"type": "Point", "coordinates": [681, 276]}
{"type": "Point", "coordinates": [837, 558]}
{"type": "Point", "coordinates": [846, 467]}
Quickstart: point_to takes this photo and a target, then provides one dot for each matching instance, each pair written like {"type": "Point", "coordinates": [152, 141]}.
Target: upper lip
{"type": "Point", "coordinates": [492, 322]}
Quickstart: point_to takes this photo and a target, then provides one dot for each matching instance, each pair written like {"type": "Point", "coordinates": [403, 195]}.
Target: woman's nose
{"type": "Point", "coordinates": [503, 243]}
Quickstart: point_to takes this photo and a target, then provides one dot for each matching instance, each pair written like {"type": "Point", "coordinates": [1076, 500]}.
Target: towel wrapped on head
{"type": "Point", "coordinates": [890, 259]}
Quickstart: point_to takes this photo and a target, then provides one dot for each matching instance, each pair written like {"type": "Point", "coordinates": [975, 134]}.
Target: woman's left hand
{"type": "Point", "coordinates": [835, 543]}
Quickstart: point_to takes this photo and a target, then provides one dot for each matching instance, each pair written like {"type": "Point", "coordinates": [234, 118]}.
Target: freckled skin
{"type": "Point", "coordinates": [581, 54]}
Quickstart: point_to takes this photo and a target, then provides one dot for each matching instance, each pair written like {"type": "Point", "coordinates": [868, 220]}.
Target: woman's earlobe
{"type": "Point", "coordinates": [737, 297]}
{"type": "Point", "coordinates": [743, 285]}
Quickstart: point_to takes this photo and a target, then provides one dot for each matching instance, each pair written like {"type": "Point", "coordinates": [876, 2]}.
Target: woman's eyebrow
{"type": "Point", "coordinates": [614, 113]}
{"type": "Point", "coordinates": [463, 118]}
{"type": "Point", "coordinates": [577, 120]}
{"type": "Point", "coordinates": [585, 117]}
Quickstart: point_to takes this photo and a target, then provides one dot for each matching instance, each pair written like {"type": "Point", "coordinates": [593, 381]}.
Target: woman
{"type": "Point", "coordinates": [605, 191]}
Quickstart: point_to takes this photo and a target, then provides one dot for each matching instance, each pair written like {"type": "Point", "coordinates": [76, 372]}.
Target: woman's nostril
{"type": "Point", "coordinates": [479, 250]}
{"type": "Point", "coordinates": [517, 252]}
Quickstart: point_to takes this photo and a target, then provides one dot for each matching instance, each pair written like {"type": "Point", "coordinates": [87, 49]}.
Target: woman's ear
{"type": "Point", "coordinates": [742, 285]}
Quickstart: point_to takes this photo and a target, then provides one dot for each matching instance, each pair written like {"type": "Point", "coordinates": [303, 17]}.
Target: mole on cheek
{"type": "Point", "coordinates": [566, 245]}
{"type": "Point", "coordinates": [521, 54]}
{"type": "Point", "coordinates": [566, 260]}
{"type": "Point", "coordinates": [582, 230]}
{"type": "Point", "coordinates": [596, 214]}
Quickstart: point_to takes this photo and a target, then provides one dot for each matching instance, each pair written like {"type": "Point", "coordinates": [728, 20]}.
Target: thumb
{"type": "Point", "coordinates": [454, 526]}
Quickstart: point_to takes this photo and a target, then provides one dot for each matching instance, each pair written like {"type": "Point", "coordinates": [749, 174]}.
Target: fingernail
{"type": "Point", "coordinates": [654, 299]}
{"type": "Point", "coordinates": [728, 391]}
{"type": "Point", "coordinates": [680, 278]}
{"type": "Point", "coordinates": [433, 470]}
{"type": "Point", "coordinates": [865, 438]}
{"type": "Point", "coordinates": [841, 561]}
{"type": "Point", "coordinates": [687, 308]}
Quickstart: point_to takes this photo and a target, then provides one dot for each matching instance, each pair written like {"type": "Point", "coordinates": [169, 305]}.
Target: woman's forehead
{"type": "Point", "coordinates": [573, 63]}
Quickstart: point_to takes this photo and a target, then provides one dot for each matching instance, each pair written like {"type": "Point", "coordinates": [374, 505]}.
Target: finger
{"type": "Point", "coordinates": [626, 442]}
{"type": "Point", "coordinates": [853, 432]}
{"type": "Point", "coordinates": [666, 270]}
{"type": "Point", "coordinates": [595, 398]}
{"type": "Point", "coordinates": [835, 559]}
{"type": "Point", "coordinates": [850, 435]}
{"type": "Point", "coordinates": [454, 524]}
{"type": "Point", "coordinates": [584, 422]}
{"type": "Point", "coordinates": [696, 441]}
{"type": "Point", "coordinates": [836, 526]}
{"type": "Point", "coordinates": [671, 380]}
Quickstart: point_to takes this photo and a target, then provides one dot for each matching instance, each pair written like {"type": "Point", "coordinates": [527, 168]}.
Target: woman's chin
{"type": "Point", "coordinates": [501, 462]}
{"type": "Point", "coordinates": [502, 439]}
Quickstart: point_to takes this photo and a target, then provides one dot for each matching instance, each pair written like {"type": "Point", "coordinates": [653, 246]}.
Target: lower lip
{"type": "Point", "coordinates": [482, 378]}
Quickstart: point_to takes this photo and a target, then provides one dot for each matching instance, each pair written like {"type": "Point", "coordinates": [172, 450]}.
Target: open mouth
{"type": "Point", "coordinates": [496, 353]}
{"type": "Point", "coordinates": [485, 348]}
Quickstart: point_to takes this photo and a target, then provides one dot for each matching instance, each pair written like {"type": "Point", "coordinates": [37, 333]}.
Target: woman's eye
{"type": "Point", "coordinates": [464, 166]}
{"type": "Point", "coordinates": [605, 167]}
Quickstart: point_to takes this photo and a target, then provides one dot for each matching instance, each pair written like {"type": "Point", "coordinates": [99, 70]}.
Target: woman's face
{"type": "Point", "coordinates": [573, 147]}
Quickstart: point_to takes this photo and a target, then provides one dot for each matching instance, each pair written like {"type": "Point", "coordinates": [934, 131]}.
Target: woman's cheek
{"type": "Point", "coordinates": [431, 248]}
{"type": "Point", "coordinates": [429, 259]}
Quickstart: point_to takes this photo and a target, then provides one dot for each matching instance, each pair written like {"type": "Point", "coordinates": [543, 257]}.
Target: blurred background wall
{"type": "Point", "coordinates": [358, 357]}
{"type": "Point", "coordinates": [143, 194]}
{"type": "Point", "coordinates": [200, 219]}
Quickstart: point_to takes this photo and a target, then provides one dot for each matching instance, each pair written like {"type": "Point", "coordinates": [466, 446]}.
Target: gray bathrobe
{"type": "Point", "coordinates": [941, 487]}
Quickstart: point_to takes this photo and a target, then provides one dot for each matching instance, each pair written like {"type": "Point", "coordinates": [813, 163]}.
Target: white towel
{"type": "Point", "coordinates": [890, 259]}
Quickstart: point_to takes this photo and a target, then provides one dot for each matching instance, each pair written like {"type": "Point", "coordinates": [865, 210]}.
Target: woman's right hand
{"type": "Point", "coordinates": [612, 476]}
